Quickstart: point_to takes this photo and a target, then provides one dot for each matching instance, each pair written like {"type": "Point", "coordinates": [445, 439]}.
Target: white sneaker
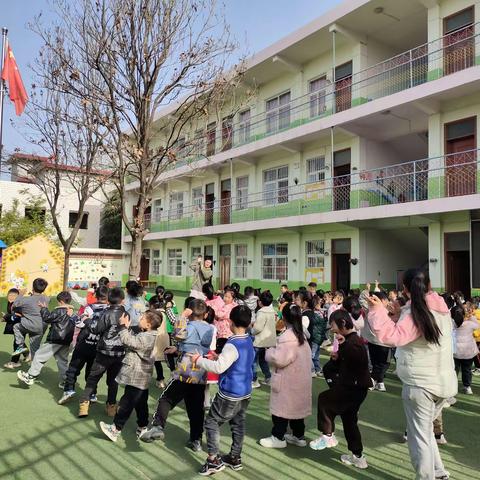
{"type": "Point", "coordinates": [450, 402]}
{"type": "Point", "coordinates": [380, 387]}
{"type": "Point", "coordinates": [441, 440]}
{"type": "Point", "coordinates": [314, 375]}
{"type": "Point", "coordinates": [476, 372]}
{"type": "Point", "coordinates": [467, 390]}
{"type": "Point", "coordinates": [374, 384]}
{"type": "Point", "coordinates": [293, 440]}
{"type": "Point", "coordinates": [267, 381]}
{"type": "Point", "coordinates": [12, 365]}
{"type": "Point", "coordinates": [358, 462]}
{"type": "Point", "coordinates": [273, 442]}
{"type": "Point", "coordinates": [256, 384]}
{"type": "Point", "coordinates": [323, 442]}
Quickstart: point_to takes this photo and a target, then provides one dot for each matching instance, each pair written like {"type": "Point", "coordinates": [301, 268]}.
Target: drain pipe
{"type": "Point", "coordinates": [334, 100]}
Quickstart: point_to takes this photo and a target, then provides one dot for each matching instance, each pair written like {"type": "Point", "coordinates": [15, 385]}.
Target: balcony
{"type": "Point", "coordinates": [449, 54]}
{"type": "Point", "coordinates": [427, 179]}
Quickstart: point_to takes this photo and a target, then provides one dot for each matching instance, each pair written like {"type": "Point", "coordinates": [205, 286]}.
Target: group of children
{"type": "Point", "coordinates": [127, 335]}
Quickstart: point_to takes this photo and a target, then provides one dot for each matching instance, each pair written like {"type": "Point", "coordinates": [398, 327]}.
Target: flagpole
{"type": "Point", "coordinates": [2, 93]}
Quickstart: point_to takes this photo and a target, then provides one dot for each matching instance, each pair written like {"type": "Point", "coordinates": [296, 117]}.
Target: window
{"type": "Point", "coordinates": [180, 147]}
{"type": "Point", "coordinates": [197, 199]}
{"type": "Point", "coordinates": [73, 217]}
{"type": "Point", "coordinates": [241, 261]}
{"type": "Point", "coordinates": [211, 137]}
{"type": "Point", "coordinates": [275, 261]}
{"type": "Point", "coordinates": [157, 210]}
{"type": "Point", "coordinates": [317, 90]}
{"type": "Point", "coordinates": [196, 252]}
{"type": "Point", "coordinates": [314, 251]}
{"type": "Point", "coordinates": [278, 113]}
{"type": "Point", "coordinates": [156, 261]}
{"type": "Point", "coordinates": [460, 129]}
{"type": "Point", "coordinates": [315, 169]}
{"type": "Point", "coordinates": [244, 126]}
{"type": "Point", "coordinates": [33, 213]}
{"type": "Point", "coordinates": [176, 206]}
{"type": "Point", "coordinates": [199, 142]}
{"type": "Point", "coordinates": [174, 266]}
{"type": "Point", "coordinates": [227, 133]}
{"type": "Point", "coordinates": [242, 193]}
{"type": "Point", "coordinates": [459, 20]}
{"type": "Point", "coordinates": [275, 185]}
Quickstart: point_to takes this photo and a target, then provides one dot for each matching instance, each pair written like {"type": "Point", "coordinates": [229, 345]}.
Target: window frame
{"type": "Point", "coordinates": [174, 263]}
{"type": "Point", "coordinates": [278, 116]}
{"type": "Point", "coordinates": [318, 256]}
{"type": "Point", "coordinates": [176, 213]}
{"type": "Point", "coordinates": [241, 267]}
{"type": "Point", "coordinates": [275, 257]}
{"type": "Point", "coordinates": [83, 223]}
{"type": "Point", "coordinates": [280, 193]}
{"type": "Point", "coordinates": [319, 172]}
{"type": "Point", "coordinates": [156, 262]}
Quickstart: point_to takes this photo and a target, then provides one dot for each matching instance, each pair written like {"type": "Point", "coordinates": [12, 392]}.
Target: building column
{"type": "Point", "coordinates": [435, 255]}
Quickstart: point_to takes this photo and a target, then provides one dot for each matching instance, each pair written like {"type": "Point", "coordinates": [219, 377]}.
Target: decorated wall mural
{"type": "Point", "coordinates": [85, 269]}
{"type": "Point", "coordinates": [34, 257]}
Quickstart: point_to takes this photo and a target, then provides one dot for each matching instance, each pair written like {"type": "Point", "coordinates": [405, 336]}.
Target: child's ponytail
{"type": "Point", "coordinates": [293, 316]}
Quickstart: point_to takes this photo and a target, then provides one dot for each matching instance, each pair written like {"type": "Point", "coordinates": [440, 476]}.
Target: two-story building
{"type": "Point", "coordinates": [356, 158]}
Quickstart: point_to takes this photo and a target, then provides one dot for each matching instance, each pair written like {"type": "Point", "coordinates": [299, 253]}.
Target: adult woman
{"type": "Point", "coordinates": [291, 383]}
{"type": "Point", "coordinates": [423, 337]}
{"type": "Point", "coordinates": [202, 274]}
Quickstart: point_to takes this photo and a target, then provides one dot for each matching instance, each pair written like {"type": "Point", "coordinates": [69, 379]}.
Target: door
{"type": "Point", "coordinates": [341, 180]}
{"type": "Point", "coordinates": [209, 204]}
{"type": "Point", "coordinates": [341, 264]}
{"type": "Point", "coordinates": [225, 201]}
{"type": "Point", "coordinates": [458, 272]}
{"type": "Point", "coordinates": [461, 160]}
{"type": "Point", "coordinates": [225, 265]}
{"type": "Point", "coordinates": [458, 41]}
{"type": "Point", "coordinates": [145, 265]}
{"type": "Point", "coordinates": [343, 87]}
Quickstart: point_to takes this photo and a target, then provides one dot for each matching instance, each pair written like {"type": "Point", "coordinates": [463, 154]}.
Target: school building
{"type": "Point", "coordinates": [355, 158]}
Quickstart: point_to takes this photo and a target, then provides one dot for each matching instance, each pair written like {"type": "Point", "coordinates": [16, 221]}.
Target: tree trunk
{"type": "Point", "coordinates": [135, 257]}
{"type": "Point", "coordinates": [66, 268]}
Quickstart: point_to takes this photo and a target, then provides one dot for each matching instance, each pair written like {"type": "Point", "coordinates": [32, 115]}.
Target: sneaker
{"type": "Point", "coordinates": [441, 440]}
{"type": "Point", "coordinates": [359, 462]}
{"type": "Point", "coordinates": [194, 445]}
{"type": "Point", "coordinates": [160, 384]}
{"type": "Point", "coordinates": [61, 385]}
{"type": "Point", "coordinates": [476, 372]}
{"type": "Point", "coordinates": [450, 402]}
{"type": "Point", "coordinates": [12, 365]}
{"type": "Point", "coordinates": [323, 442]}
{"type": "Point", "coordinates": [110, 431]}
{"type": "Point", "coordinates": [380, 387]}
{"type": "Point", "coordinates": [293, 440]}
{"type": "Point", "coordinates": [235, 463]}
{"type": "Point", "coordinates": [111, 409]}
{"type": "Point", "coordinates": [20, 350]}
{"type": "Point", "coordinates": [256, 384]}
{"type": "Point", "coordinates": [272, 442]}
{"type": "Point", "coordinates": [140, 431]}
{"type": "Point", "coordinates": [66, 397]}
{"type": "Point", "coordinates": [374, 383]}
{"type": "Point", "coordinates": [442, 476]}
{"type": "Point", "coordinates": [93, 398]}
{"type": "Point", "coordinates": [319, 374]}
{"type": "Point", "coordinates": [405, 437]}
{"type": "Point", "coordinates": [211, 467]}
{"type": "Point", "coordinates": [152, 433]}
{"type": "Point", "coordinates": [267, 381]}
{"type": "Point", "coordinates": [467, 390]}
{"type": "Point", "coordinates": [83, 409]}
{"type": "Point", "coordinates": [25, 378]}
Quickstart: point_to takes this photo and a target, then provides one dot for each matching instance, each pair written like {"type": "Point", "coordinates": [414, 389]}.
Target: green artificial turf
{"type": "Point", "coordinates": [41, 440]}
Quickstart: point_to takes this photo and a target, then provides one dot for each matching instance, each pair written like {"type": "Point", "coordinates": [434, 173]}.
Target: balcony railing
{"type": "Point", "coordinates": [440, 177]}
{"type": "Point", "coordinates": [451, 53]}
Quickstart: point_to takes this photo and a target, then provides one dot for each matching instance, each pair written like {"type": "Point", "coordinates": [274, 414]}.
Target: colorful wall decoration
{"type": "Point", "coordinates": [88, 268]}
{"type": "Point", "coordinates": [34, 257]}
{"type": "Point", "coordinates": [315, 275]}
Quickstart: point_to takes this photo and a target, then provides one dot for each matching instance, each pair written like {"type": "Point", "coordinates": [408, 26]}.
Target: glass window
{"type": "Point", "coordinates": [174, 265]}
{"type": "Point", "coordinates": [275, 261]}
{"type": "Point", "coordinates": [242, 193]}
{"type": "Point", "coordinates": [464, 128]}
{"type": "Point", "coordinates": [211, 138]}
{"type": "Point", "coordinates": [343, 71]}
{"type": "Point", "coordinates": [314, 253]}
{"type": "Point", "coordinates": [195, 253]}
{"type": "Point", "coordinates": [241, 261]}
{"type": "Point", "coordinates": [244, 126]}
{"type": "Point", "coordinates": [317, 90]}
{"type": "Point", "coordinates": [157, 210]}
{"type": "Point", "coordinates": [227, 133]}
{"type": "Point", "coordinates": [72, 219]}
{"type": "Point", "coordinates": [459, 20]}
{"type": "Point", "coordinates": [197, 199]}
{"type": "Point", "coordinates": [156, 262]}
{"type": "Point", "coordinates": [315, 169]}
{"type": "Point", "coordinates": [176, 206]}
{"type": "Point", "coordinates": [278, 113]}
{"type": "Point", "coordinates": [275, 185]}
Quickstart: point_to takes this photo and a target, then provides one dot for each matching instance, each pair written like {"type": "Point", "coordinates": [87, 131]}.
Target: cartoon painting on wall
{"type": "Point", "coordinates": [86, 269]}
{"type": "Point", "coordinates": [34, 257]}
{"type": "Point", "coordinates": [315, 275]}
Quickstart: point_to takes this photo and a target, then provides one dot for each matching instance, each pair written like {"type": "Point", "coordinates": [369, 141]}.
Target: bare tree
{"type": "Point", "coordinates": [150, 69]}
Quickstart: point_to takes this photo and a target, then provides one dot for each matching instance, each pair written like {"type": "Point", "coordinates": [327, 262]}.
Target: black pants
{"type": "Point", "coordinates": [466, 367]}
{"type": "Point", "coordinates": [133, 398]}
{"type": "Point", "coordinates": [16, 358]}
{"type": "Point", "coordinates": [159, 367]}
{"type": "Point", "coordinates": [83, 356]}
{"type": "Point", "coordinates": [193, 395]}
{"type": "Point", "coordinates": [102, 364]}
{"type": "Point", "coordinates": [343, 401]}
{"type": "Point", "coordinates": [379, 356]}
{"type": "Point", "coordinates": [220, 344]}
{"type": "Point", "coordinates": [280, 426]}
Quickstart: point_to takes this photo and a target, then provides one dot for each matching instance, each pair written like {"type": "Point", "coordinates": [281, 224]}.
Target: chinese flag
{"type": "Point", "coordinates": [11, 75]}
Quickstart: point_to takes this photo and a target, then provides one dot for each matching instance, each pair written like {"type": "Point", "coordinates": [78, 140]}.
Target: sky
{"type": "Point", "coordinates": [255, 23]}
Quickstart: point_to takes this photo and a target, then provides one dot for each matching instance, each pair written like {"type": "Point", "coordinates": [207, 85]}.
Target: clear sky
{"type": "Point", "coordinates": [259, 22]}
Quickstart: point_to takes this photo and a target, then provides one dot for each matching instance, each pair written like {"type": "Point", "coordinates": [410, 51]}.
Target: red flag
{"type": "Point", "coordinates": [11, 75]}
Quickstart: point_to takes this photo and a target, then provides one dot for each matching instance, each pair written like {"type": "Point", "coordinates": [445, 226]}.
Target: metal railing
{"type": "Point", "coordinates": [430, 61]}
{"type": "Point", "coordinates": [439, 177]}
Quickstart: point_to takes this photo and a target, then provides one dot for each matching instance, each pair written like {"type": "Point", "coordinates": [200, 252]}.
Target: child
{"type": "Point", "coordinates": [110, 353]}
{"type": "Point", "coordinates": [162, 341]}
{"type": "Point", "coordinates": [187, 382]}
{"type": "Point", "coordinates": [264, 333]}
{"type": "Point", "coordinates": [319, 336]}
{"type": "Point", "coordinates": [222, 322]}
{"type": "Point", "coordinates": [212, 300]}
{"type": "Point", "coordinates": [347, 394]}
{"type": "Point", "coordinates": [11, 318]}
{"type": "Point", "coordinates": [283, 291]}
{"type": "Point", "coordinates": [235, 388]}
{"type": "Point", "coordinates": [465, 348]}
{"type": "Point", "coordinates": [31, 323]}
{"type": "Point", "coordinates": [312, 288]}
{"type": "Point", "coordinates": [85, 349]}
{"type": "Point", "coordinates": [291, 392]}
{"type": "Point", "coordinates": [251, 300]}
{"type": "Point", "coordinates": [336, 303]}
{"type": "Point", "coordinates": [135, 374]}
{"type": "Point", "coordinates": [134, 302]}
{"type": "Point", "coordinates": [59, 338]}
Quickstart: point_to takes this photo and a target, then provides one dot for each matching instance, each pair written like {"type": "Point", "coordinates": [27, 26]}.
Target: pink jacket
{"type": "Point", "coordinates": [403, 332]}
{"type": "Point", "coordinates": [465, 346]}
{"type": "Point", "coordinates": [222, 321]}
{"type": "Point", "coordinates": [291, 385]}
{"type": "Point", "coordinates": [216, 303]}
